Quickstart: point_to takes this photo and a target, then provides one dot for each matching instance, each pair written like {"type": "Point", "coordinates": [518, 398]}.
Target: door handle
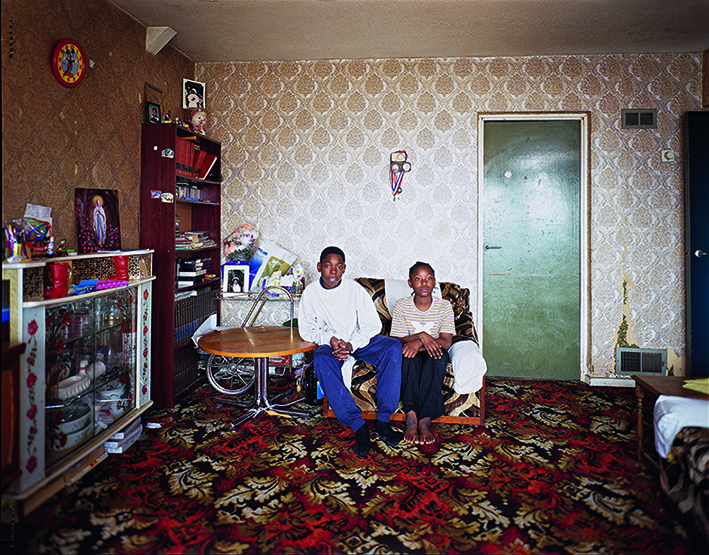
{"type": "Point", "coordinates": [489, 248]}
{"type": "Point", "coordinates": [698, 253]}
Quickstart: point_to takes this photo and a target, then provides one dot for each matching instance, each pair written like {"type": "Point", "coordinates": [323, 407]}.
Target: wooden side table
{"type": "Point", "coordinates": [653, 387]}
{"type": "Point", "coordinates": [258, 343]}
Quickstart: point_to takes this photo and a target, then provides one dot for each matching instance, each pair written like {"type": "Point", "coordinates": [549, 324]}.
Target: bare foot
{"type": "Point", "coordinates": [411, 429]}
{"type": "Point", "coordinates": [425, 435]}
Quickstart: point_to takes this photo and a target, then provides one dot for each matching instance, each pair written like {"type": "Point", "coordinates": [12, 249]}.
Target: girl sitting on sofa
{"type": "Point", "coordinates": [425, 326]}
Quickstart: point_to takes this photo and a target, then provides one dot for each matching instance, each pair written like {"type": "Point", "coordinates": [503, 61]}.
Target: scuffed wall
{"type": "Point", "coordinates": [56, 138]}
{"type": "Point", "coordinates": [306, 147]}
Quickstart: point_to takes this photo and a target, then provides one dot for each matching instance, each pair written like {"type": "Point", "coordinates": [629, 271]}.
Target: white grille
{"type": "Point", "coordinates": [630, 361]}
{"type": "Point", "coordinates": [639, 119]}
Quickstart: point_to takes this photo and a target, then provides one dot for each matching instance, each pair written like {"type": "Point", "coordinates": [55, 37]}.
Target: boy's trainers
{"type": "Point", "coordinates": [389, 435]}
{"type": "Point", "coordinates": [362, 442]}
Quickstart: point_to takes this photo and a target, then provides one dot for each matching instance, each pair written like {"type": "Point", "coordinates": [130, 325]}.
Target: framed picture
{"type": "Point", "coordinates": [153, 96]}
{"type": "Point", "coordinates": [97, 220]}
{"type": "Point", "coordinates": [193, 94]}
{"type": "Point", "coordinates": [235, 279]}
{"type": "Point", "coordinates": [152, 113]}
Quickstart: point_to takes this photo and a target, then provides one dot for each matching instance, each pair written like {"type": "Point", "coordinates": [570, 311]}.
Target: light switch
{"type": "Point", "coordinates": [667, 155]}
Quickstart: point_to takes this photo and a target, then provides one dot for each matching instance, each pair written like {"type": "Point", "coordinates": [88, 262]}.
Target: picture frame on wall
{"type": "Point", "coordinates": [98, 222]}
{"type": "Point", "coordinates": [152, 113]}
{"type": "Point", "coordinates": [193, 94]}
{"type": "Point", "coordinates": [235, 279]}
{"type": "Point", "coordinates": [153, 95]}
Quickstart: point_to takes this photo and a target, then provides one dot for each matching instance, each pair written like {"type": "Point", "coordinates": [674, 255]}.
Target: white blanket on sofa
{"type": "Point", "coordinates": [671, 414]}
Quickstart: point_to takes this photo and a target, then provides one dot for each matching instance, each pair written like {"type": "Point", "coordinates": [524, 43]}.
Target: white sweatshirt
{"type": "Point", "coordinates": [346, 312]}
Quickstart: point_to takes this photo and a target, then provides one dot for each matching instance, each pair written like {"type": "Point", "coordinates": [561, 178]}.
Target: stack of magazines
{"type": "Point", "coordinates": [121, 441]}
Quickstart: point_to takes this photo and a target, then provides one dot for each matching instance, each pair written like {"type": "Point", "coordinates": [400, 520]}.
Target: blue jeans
{"type": "Point", "coordinates": [381, 351]}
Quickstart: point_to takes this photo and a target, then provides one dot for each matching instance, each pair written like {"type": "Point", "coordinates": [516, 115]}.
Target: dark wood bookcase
{"type": "Point", "coordinates": [175, 369]}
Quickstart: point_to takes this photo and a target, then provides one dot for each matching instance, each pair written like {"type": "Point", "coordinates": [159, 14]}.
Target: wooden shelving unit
{"type": "Point", "coordinates": [175, 358]}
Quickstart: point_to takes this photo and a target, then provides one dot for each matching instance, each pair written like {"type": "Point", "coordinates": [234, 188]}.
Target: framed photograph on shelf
{"type": "Point", "coordinates": [152, 113]}
{"type": "Point", "coordinates": [193, 94]}
{"type": "Point", "coordinates": [153, 104]}
{"type": "Point", "coordinates": [235, 279]}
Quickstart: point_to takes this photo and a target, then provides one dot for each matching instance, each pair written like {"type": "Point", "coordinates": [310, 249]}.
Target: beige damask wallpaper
{"type": "Point", "coordinates": [306, 148]}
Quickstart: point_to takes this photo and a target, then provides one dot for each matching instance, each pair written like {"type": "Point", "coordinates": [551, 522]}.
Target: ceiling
{"type": "Point", "coordinates": [274, 30]}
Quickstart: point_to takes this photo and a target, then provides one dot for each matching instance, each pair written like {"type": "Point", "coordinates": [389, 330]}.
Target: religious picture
{"type": "Point", "coordinates": [97, 220]}
{"type": "Point", "coordinates": [193, 94]}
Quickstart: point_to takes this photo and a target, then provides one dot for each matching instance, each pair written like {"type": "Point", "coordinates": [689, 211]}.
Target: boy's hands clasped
{"type": "Point", "coordinates": [341, 349]}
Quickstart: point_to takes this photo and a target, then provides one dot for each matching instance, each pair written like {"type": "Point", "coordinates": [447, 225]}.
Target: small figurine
{"type": "Point", "coordinates": [167, 118]}
{"type": "Point", "coordinates": [62, 248]}
{"type": "Point", "coordinates": [198, 118]}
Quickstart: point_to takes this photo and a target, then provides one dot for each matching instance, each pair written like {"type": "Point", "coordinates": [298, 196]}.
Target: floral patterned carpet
{"type": "Point", "coordinates": [553, 471]}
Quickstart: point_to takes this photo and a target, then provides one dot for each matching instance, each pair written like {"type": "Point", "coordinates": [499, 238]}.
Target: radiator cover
{"type": "Point", "coordinates": [630, 361]}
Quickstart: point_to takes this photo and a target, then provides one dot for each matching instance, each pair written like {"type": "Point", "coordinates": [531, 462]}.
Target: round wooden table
{"type": "Point", "coordinates": [258, 343]}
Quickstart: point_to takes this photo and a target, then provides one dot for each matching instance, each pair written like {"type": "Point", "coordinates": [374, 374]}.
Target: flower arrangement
{"type": "Point", "coordinates": [241, 243]}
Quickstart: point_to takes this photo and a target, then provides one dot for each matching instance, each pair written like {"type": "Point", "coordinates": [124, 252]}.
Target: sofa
{"type": "Point", "coordinates": [682, 443]}
{"type": "Point", "coordinates": [461, 408]}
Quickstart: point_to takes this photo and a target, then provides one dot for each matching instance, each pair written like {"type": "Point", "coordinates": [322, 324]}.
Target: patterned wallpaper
{"type": "Point", "coordinates": [306, 148]}
{"type": "Point", "coordinates": [56, 138]}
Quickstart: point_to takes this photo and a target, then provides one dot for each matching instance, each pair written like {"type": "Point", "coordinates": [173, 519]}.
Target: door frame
{"type": "Point", "coordinates": [584, 220]}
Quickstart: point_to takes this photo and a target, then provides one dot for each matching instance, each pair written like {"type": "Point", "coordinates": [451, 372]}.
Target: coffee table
{"type": "Point", "coordinates": [259, 343]}
{"type": "Point", "coordinates": [653, 387]}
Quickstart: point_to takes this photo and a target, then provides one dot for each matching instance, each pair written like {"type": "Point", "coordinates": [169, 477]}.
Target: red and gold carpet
{"type": "Point", "coordinates": [553, 471]}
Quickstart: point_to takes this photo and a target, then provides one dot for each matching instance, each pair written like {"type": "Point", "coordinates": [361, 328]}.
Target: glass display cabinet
{"type": "Point", "coordinates": [85, 373]}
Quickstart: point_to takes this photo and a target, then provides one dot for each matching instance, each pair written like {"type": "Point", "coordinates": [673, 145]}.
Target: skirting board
{"type": "Point", "coordinates": [610, 382]}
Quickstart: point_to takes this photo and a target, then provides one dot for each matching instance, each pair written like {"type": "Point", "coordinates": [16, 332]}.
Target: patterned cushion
{"type": "Point", "coordinates": [364, 376]}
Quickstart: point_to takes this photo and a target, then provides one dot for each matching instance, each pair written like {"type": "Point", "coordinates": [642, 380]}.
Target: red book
{"type": "Point", "coordinates": [183, 157]}
{"type": "Point", "coordinates": [198, 161]}
{"type": "Point", "coordinates": [207, 165]}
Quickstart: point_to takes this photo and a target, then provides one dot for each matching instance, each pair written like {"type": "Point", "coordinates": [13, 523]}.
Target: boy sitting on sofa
{"type": "Point", "coordinates": [425, 325]}
{"type": "Point", "coordinates": [339, 315]}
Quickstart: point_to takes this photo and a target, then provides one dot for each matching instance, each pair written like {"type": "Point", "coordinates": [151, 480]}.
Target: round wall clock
{"type": "Point", "coordinates": [69, 63]}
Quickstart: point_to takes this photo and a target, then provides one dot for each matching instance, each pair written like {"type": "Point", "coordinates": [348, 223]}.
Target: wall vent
{"type": "Point", "coordinates": [630, 361]}
{"type": "Point", "coordinates": [639, 119]}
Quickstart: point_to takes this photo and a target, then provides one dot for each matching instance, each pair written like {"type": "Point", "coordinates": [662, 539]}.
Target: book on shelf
{"type": "Point", "coordinates": [184, 156]}
{"type": "Point", "coordinates": [185, 295]}
{"type": "Point", "coordinates": [183, 284]}
{"type": "Point", "coordinates": [207, 165]}
{"type": "Point", "coordinates": [189, 274]}
{"type": "Point", "coordinates": [199, 160]}
{"type": "Point", "coordinates": [192, 264]}
{"type": "Point", "coordinates": [191, 267]}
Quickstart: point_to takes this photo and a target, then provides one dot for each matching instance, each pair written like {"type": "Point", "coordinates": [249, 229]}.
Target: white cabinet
{"type": "Point", "coordinates": [85, 373]}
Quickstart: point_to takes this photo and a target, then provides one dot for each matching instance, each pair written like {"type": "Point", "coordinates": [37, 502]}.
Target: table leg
{"type": "Point", "coordinates": [639, 395]}
{"type": "Point", "coordinates": [261, 398]}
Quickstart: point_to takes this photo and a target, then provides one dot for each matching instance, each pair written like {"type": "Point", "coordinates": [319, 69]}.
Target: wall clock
{"type": "Point", "coordinates": [69, 63]}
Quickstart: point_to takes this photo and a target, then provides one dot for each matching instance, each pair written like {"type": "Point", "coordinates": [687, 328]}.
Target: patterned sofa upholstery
{"type": "Point", "coordinates": [460, 409]}
{"type": "Point", "coordinates": [684, 478]}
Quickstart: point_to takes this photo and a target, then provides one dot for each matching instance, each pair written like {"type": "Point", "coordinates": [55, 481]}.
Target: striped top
{"type": "Point", "coordinates": [408, 320]}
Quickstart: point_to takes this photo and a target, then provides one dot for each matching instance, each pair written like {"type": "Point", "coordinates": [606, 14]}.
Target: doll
{"type": "Point", "coordinates": [198, 118]}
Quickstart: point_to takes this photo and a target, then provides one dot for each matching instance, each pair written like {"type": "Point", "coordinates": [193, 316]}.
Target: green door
{"type": "Point", "coordinates": [531, 257]}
